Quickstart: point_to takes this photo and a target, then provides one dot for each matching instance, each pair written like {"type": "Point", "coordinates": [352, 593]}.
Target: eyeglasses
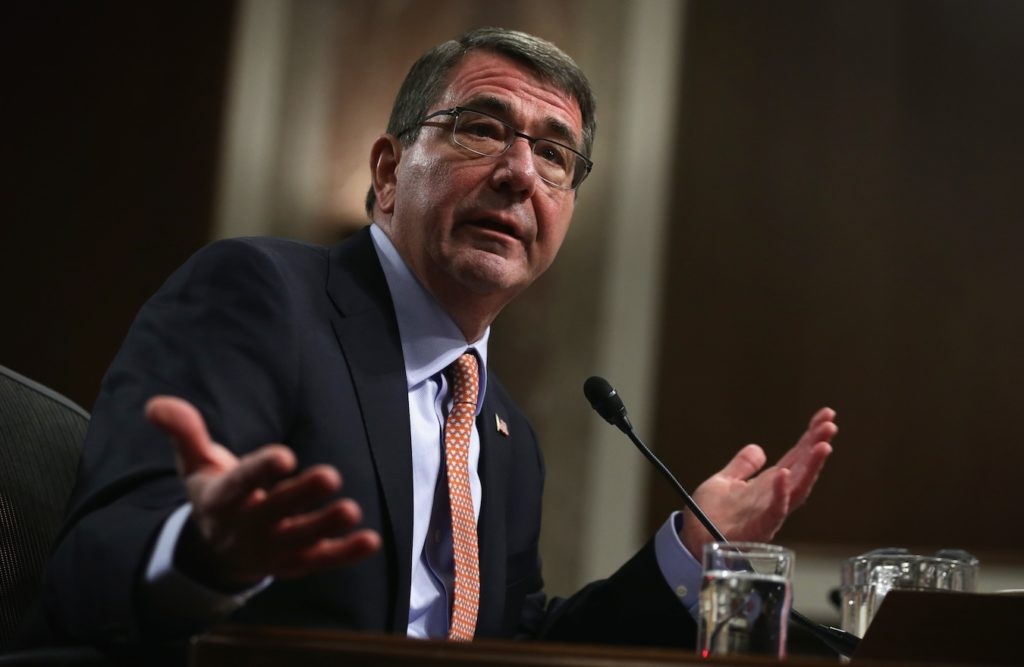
{"type": "Point", "coordinates": [481, 133]}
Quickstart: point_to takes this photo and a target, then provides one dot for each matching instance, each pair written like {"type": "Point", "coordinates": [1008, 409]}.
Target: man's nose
{"type": "Point", "coordinates": [516, 168]}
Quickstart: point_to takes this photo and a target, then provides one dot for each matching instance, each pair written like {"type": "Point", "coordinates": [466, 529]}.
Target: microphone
{"type": "Point", "coordinates": [607, 402]}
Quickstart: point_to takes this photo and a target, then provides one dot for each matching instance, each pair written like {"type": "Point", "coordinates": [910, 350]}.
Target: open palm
{"type": "Point", "coordinates": [748, 506]}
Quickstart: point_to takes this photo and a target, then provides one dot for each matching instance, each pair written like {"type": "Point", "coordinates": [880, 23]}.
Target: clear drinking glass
{"type": "Point", "coordinates": [867, 578]}
{"type": "Point", "coordinates": [745, 597]}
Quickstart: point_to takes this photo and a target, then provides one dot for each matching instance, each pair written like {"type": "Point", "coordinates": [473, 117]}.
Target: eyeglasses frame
{"type": "Point", "coordinates": [532, 141]}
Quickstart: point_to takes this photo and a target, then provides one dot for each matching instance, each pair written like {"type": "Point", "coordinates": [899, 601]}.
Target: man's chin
{"type": "Point", "coordinates": [491, 274]}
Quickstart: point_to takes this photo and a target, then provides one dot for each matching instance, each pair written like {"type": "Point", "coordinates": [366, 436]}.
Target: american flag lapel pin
{"type": "Point", "coordinates": [500, 425]}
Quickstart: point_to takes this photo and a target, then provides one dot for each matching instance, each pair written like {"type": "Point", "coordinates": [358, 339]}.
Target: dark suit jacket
{"type": "Point", "coordinates": [278, 341]}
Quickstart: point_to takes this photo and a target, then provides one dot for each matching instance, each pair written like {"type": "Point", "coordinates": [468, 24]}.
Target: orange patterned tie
{"type": "Point", "coordinates": [457, 431]}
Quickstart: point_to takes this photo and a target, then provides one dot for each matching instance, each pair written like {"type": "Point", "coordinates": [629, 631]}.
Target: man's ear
{"type": "Point", "coordinates": [384, 157]}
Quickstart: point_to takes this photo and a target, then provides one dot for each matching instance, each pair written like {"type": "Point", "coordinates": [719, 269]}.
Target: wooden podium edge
{"type": "Point", "coordinates": [231, 646]}
{"type": "Point", "coordinates": [942, 627]}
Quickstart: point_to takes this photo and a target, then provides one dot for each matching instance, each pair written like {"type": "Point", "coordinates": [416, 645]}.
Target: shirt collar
{"type": "Point", "coordinates": [431, 340]}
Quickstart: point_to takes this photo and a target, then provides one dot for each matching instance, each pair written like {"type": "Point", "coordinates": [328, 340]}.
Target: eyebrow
{"type": "Point", "coordinates": [500, 107]}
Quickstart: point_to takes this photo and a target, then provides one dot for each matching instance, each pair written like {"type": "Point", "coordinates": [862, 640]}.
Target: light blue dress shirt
{"type": "Point", "coordinates": [431, 342]}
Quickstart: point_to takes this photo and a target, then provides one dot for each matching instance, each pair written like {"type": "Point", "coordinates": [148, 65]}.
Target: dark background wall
{"type": "Point", "coordinates": [848, 231]}
{"type": "Point", "coordinates": [112, 127]}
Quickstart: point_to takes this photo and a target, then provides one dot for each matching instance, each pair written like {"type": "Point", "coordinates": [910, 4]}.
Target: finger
{"type": "Point", "coordinates": [825, 414]}
{"type": "Point", "coordinates": [745, 464]}
{"type": "Point", "coordinates": [301, 493]}
{"type": "Point", "coordinates": [806, 473]}
{"type": "Point", "coordinates": [328, 554]}
{"type": "Point", "coordinates": [820, 429]}
{"type": "Point", "coordinates": [822, 432]}
{"type": "Point", "coordinates": [822, 426]}
{"type": "Point", "coordinates": [327, 522]}
{"type": "Point", "coordinates": [257, 470]}
{"type": "Point", "coordinates": [182, 421]}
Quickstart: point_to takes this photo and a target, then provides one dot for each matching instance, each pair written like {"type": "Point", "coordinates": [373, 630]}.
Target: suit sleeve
{"type": "Point", "coordinates": [217, 334]}
{"type": "Point", "coordinates": [633, 606]}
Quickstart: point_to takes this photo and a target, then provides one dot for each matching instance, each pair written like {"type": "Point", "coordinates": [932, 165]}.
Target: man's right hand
{"type": "Point", "coordinates": [253, 516]}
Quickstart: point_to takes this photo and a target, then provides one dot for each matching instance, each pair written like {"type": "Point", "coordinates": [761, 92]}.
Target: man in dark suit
{"type": "Point", "coordinates": [305, 391]}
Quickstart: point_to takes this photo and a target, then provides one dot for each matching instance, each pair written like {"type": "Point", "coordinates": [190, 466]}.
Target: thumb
{"type": "Point", "coordinates": [182, 421]}
{"type": "Point", "coordinates": [745, 464]}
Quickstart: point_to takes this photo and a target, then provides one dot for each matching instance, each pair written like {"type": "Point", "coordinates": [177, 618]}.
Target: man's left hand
{"type": "Point", "coordinates": [747, 506]}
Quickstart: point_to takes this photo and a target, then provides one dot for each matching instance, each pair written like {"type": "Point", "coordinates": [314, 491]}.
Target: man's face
{"type": "Point", "coordinates": [475, 226]}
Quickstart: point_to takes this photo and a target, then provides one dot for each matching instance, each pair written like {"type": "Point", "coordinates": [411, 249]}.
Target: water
{"type": "Point", "coordinates": [743, 613]}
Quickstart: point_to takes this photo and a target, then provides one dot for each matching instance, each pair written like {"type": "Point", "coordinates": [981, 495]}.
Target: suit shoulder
{"type": "Point", "coordinates": [243, 259]}
{"type": "Point", "coordinates": [277, 250]}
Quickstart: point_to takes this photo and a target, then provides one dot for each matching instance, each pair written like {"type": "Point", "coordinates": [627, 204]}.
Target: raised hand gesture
{"type": "Point", "coordinates": [747, 506]}
{"type": "Point", "coordinates": [255, 516]}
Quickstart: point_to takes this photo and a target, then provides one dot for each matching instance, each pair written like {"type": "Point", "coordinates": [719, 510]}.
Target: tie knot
{"type": "Point", "coordinates": [465, 379]}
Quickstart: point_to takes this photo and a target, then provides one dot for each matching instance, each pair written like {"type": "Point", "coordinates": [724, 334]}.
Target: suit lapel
{"type": "Point", "coordinates": [367, 332]}
{"type": "Point", "coordinates": [494, 464]}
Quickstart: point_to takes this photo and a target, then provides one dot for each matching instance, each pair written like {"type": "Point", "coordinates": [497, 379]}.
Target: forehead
{"type": "Point", "coordinates": [504, 85]}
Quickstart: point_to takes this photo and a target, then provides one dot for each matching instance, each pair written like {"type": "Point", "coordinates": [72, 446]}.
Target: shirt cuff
{"type": "Point", "coordinates": [170, 590]}
{"type": "Point", "coordinates": [681, 570]}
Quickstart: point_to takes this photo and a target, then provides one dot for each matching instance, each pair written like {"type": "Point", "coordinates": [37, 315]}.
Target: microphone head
{"type": "Point", "coordinates": [606, 401]}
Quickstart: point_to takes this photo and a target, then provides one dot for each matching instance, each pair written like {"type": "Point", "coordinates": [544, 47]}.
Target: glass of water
{"type": "Point", "coordinates": [869, 577]}
{"type": "Point", "coordinates": [745, 597]}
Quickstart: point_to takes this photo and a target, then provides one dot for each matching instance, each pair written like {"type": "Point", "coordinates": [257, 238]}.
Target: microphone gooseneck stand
{"type": "Point", "coordinates": [607, 402]}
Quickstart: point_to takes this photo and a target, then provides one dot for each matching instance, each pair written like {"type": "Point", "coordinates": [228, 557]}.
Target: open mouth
{"type": "Point", "coordinates": [498, 226]}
